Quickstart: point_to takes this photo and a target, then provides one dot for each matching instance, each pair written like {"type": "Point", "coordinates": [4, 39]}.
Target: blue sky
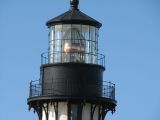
{"type": "Point", "coordinates": [129, 37]}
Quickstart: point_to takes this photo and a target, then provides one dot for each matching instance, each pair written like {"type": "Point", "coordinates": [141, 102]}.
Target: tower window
{"type": "Point", "coordinates": [74, 112]}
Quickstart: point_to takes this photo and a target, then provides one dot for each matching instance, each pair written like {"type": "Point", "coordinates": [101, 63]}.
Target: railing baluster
{"type": "Point", "coordinates": [97, 58]}
{"type": "Point", "coordinates": [108, 89]}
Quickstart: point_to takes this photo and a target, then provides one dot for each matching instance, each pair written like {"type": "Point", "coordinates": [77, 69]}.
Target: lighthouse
{"type": "Point", "coordinates": [71, 85]}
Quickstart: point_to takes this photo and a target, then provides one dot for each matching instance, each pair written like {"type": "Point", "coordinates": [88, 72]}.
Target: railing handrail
{"type": "Point", "coordinates": [100, 58]}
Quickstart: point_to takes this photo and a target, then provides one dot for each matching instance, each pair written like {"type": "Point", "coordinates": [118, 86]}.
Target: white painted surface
{"type": "Point", "coordinates": [43, 115]}
{"type": "Point", "coordinates": [95, 115]}
{"type": "Point", "coordinates": [86, 113]}
{"type": "Point", "coordinates": [62, 111]}
{"type": "Point", "coordinates": [51, 113]}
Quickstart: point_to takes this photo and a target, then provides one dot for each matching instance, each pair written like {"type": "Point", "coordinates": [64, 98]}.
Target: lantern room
{"type": "Point", "coordinates": [73, 37]}
{"type": "Point", "coordinates": [73, 43]}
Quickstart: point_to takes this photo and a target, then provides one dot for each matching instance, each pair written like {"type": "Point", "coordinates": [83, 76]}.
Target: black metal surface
{"type": "Point", "coordinates": [74, 16]}
{"type": "Point", "coordinates": [72, 79]}
{"type": "Point", "coordinates": [74, 4]}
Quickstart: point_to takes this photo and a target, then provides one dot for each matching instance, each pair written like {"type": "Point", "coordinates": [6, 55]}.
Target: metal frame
{"type": "Point", "coordinates": [38, 106]}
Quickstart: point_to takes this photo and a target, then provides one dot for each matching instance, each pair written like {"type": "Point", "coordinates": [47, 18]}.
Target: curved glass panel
{"type": "Point", "coordinates": [73, 43]}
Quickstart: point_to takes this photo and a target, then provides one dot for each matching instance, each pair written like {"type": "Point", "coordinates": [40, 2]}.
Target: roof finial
{"type": "Point", "coordinates": [74, 4]}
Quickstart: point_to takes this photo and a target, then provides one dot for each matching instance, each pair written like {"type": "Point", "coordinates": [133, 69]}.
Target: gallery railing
{"type": "Point", "coordinates": [72, 57]}
{"type": "Point", "coordinates": [107, 89]}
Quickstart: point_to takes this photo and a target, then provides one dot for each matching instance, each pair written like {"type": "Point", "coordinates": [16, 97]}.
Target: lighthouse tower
{"type": "Point", "coordinates": [71, 85]}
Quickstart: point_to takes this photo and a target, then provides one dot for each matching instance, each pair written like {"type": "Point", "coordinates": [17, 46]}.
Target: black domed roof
{"type": "Point", "coordinates": [74, 16]}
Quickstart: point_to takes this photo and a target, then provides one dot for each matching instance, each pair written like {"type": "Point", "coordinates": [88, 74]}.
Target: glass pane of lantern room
{"type": "Point", "coordinates": [77, 44]}
{"type": "Point", "coordinates": [85, 31]}
{"type": "Point", "coordinates": [96, 39]}
{"type": "Point", "coordinates": [85, 34]}
{"type": "Point", "coordinates": [66, 53]}
{"type": "Point", "coordinates": [58, 37]}
{"type": "Point", "coordinates": [94, 51]}
{"type": "Point", "coordinates": [51, 44]}
{"type": "Point", "coordinates": [96, 45]}
{"type": "Point", "coordinates": [92, 44]}
{"type": "Point", "coordinates": [58, 31]}
{"type": "Point", "coordinates": [72, 44]}
{"type": "Point", "coordinates": [92, 33]}
{"type": "Point", "coordinates": [66, 42]}
{"type": "Point", "coordinates": [66, 32]}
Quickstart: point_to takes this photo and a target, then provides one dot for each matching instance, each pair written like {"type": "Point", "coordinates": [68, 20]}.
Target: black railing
{"type": "Point", "coordinates": [35, 88]}
{"type": "Point", "coordinates": [62, 57]}
{"type": "Point", "coordinates": [107, 90]}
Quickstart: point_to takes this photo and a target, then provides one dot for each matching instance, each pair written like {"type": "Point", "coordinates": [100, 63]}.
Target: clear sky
{"type": "Point", "coordinates": [129, 37]}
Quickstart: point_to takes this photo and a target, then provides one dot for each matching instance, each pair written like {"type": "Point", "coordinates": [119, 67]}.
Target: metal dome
{"type": "Point", "coordinates": [74, 16]}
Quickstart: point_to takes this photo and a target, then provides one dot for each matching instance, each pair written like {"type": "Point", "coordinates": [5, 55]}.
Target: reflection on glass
{"type": "Point", "coordinates": [75, 46]}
